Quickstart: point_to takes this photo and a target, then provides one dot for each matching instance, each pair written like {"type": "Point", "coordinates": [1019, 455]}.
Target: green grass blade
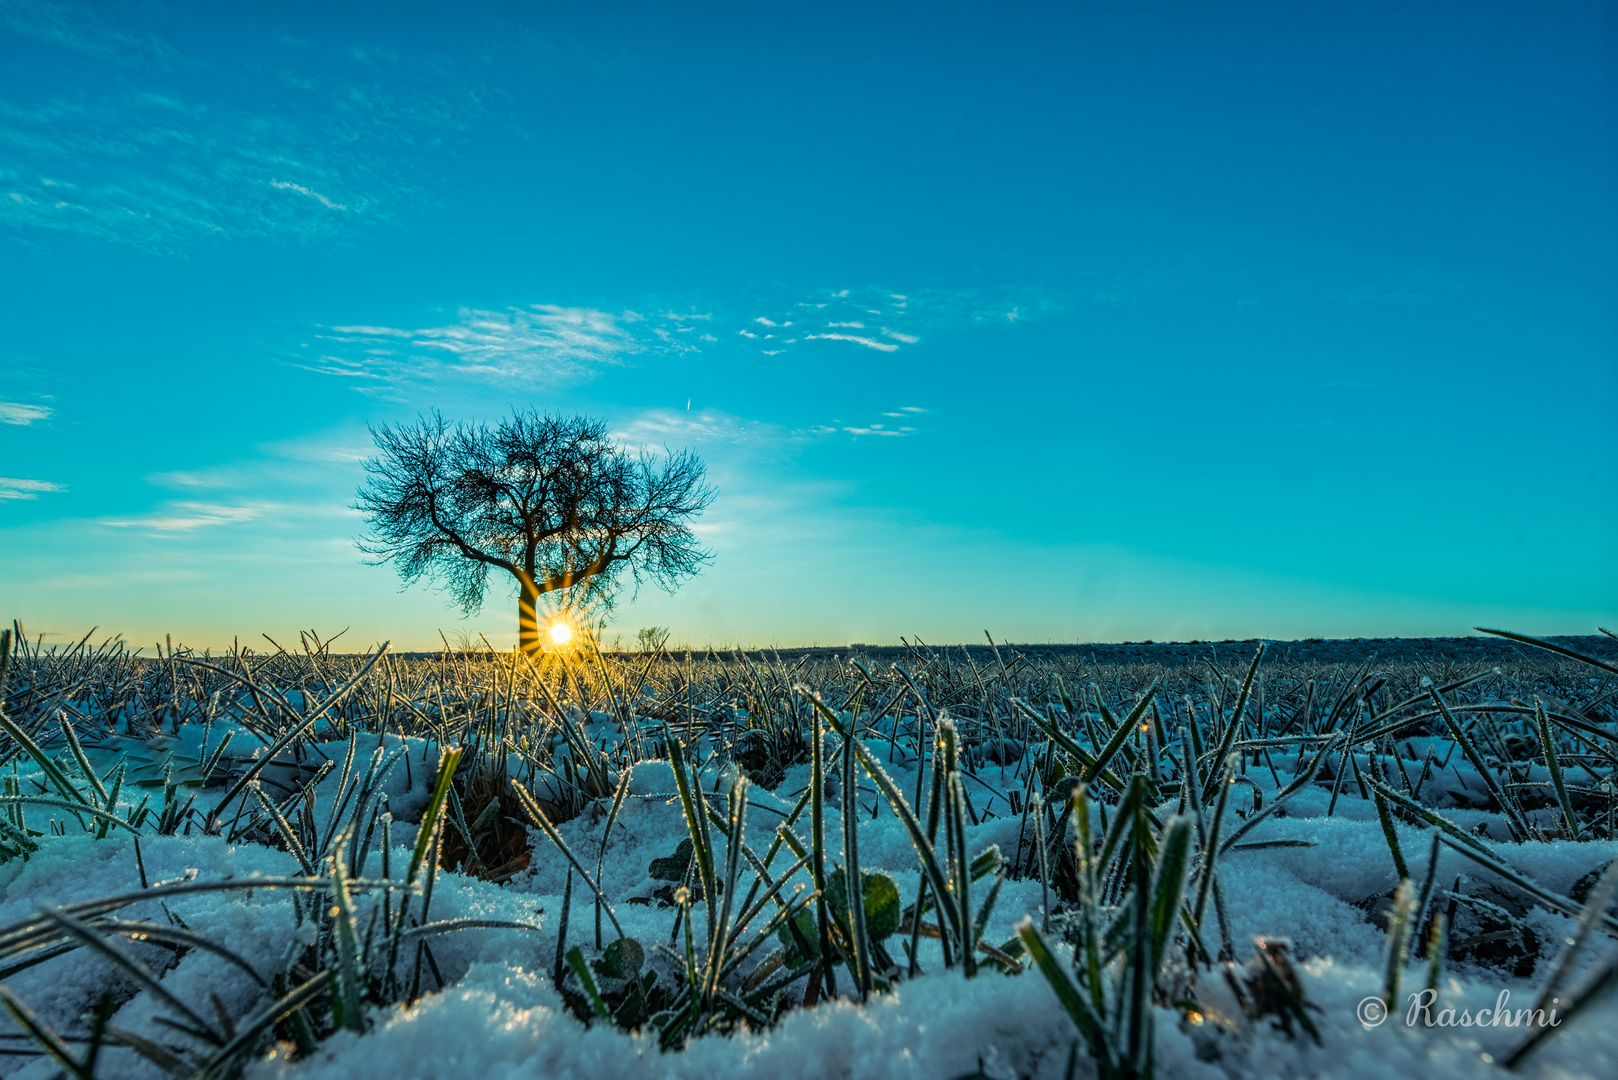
{"type": "Point", "coordinates": [538, 816]}
{"type": "Point", "coordinates": [817, 834]}
{"type": "Point", "coordinates": [137, 971]}
{"type": "Point", "coordinates": [1400, 924]}
{"type": "Point", "coordinates": [1085, 1018]}
{"type": "Point", "coordinates": [174, 935]}
{"type": "Point", "coordinates": [450, 926]}
{"type": "Point", "coordinates": [41, 1032]}
{"type": "Point", "coordinates": [575, 961]}
{"type": "Point", "coordinates": [696, 823]}
{"type": "Point", "coordinates": [1122, 823]}
{"type": "Point", "coordinates": [251, 1028]}
{"type": "Point", "coordinates": [1430, 816]}
{"type": "Point", "coordinates": [1599, 982]}
{"type": "Point", "coordinates": [936, 878]}
{"type": "Point", "coordinates": [1567, 907]}
{"type": "Point", "coordinates": [447, 761]}
{"type": "Point", "coordinates": [1390, 834]}
{"type": "Point", "coordinates": [111, 805]}
{"type": "Point", "coordinates": [1594, 905]}
{"type": "Point", "coordinates": [46, 765]}
{"type": "Point", "coordinates": [733, 868]}
{"type": "Point", "coordinates": [89, 773]}
{"type": "Point", "coordinates": [962, 897]}
{"type": "Point", "coordinates": [854, 888]}
{"type": "Point", "coordinates": [348, 946]}
{"type": "Point", "coordinates": [1550, 647]}
{"type": "Point", "coordinates": [1548, 748]}
{"type": "Point", "coordinates": [1211, 851]}
{"type": "Point", "coordinates": [1122, 732]}
{"type": "Point", "coordinates": [1238, 717]}
{"type": "Point", "coordinates": [218, 755]}
{"type": "Point", "coordinates": [1301, 781]}
{"type": "Point", "coordinates": [1508, 805]}
{"type": "Point", "coordinates": [1071, 747]}
{"type": "Point", "coordinates": [1168, 884]}
{"type": "Point", "coordinates": [296, 731]}
{"type": "Point", "coordinates": [606, 834]}
{"type": "Point", "coordinates": [287, 833]}
{"type": "Point", "coordinates": [63, 804]}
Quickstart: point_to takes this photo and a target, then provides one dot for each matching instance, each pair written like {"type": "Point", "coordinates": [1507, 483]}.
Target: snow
{"type": "Point", "coordinates": [499, 1016]}
{"type": "Point", "coordinates": [941, 1026]}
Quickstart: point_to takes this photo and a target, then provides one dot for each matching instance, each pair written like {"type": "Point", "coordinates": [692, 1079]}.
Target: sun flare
{"type": "Point", "coordinates": [561, 632]}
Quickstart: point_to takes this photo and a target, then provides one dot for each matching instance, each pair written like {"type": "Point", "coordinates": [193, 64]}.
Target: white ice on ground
{"type": "Point", "coordinates": [500, 1016]}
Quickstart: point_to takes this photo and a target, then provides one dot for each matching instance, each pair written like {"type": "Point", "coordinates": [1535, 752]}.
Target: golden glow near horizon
{"type": "Point", "coordinates": [561, 632]}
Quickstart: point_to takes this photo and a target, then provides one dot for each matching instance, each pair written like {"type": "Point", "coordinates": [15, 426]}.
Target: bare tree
{"type": "Point", "coordinates": [550, 500]}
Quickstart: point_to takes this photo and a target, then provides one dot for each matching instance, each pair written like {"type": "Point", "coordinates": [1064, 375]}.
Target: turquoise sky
{"type": "Point", "coordinates": [1069, 322]}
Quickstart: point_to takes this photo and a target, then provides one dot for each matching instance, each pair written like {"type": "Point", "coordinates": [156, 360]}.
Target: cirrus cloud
{"type": "Point", "coordinates": [545, 342]}
{"type": "Point", "coordinates": [186, 516]}
{"type": "Point", "coordinates": [17, 488]}
{"type": "Point", "coordinates": [12, 412]}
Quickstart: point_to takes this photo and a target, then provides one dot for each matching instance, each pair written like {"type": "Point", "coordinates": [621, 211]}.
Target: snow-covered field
{"type": "Point", "coordinates": [1315, 868]}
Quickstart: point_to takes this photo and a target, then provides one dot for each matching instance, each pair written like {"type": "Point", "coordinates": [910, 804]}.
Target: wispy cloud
{"type": "Point", "coordinates": [656, 428]}
{"type": "Point", "coordinates": [298, 462]}
{"type": "Point", "coordinates": [12, 412]}
{"type": "Point", "coordinates": [286, 185]}
{"type": "Point", "coordinates": [551, 342]}
{"type": "Point", "coordinates": [543, 341]}
{"type": "Point", "coordinates": [199, 479]}
{"type": "Point", "coordinates": [884, 430]}
{"type": "Point", "coordinates": [19, 489]}
{"type": "Point", "coordinates": [869, 343]}
{"type": "Point", "coordinates": [905, 318]}
{"type": "Point", "coordinates": [170, 157]}
{"type": "Point", "coordinates": [321, 450]}
{"type": "Point", "coordinates": [186, 516]}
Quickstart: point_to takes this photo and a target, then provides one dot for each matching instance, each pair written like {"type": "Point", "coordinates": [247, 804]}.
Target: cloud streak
{"type": "Point", "coordinates": [12, 412]}
{"type": "Point", "coordinates": [16, 488]}
{"type": "Point", "coordinates": [551, 343]}
{"type": "Point", "coordinates": [542, 341]}
{"type": "Point", "coordinates": [901, 319]}
{"type": "Point", "coordinates": [656, 428]}
{"type": "Point", "coordinates": [869, 343]}
{"type": "Point", "coordinates": [188, 516]}
{"type": "Point", "coordinates": [285, 185]}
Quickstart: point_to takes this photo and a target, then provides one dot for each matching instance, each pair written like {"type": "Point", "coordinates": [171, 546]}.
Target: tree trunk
{"type": "Point", "coordinates": [528, 618]}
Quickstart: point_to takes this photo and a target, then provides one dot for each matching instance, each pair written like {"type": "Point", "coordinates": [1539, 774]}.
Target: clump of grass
{"type": "Point", "coordinates": [331, 977]}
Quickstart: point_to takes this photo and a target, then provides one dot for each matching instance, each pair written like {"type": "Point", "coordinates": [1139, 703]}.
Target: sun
{"type": "Point", "coordinates": [561, 632]}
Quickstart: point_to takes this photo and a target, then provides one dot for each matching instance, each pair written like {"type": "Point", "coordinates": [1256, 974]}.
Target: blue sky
{"type": "Point", "coordinates": [1070, 322]}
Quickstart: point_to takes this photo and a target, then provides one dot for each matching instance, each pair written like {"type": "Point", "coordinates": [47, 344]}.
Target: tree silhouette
{"type": "Point", "coordinates": [550, 500]}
